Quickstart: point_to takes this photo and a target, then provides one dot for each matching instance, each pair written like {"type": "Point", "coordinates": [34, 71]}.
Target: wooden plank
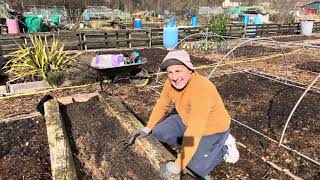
{"type": "Point", "coordinates": [150, 38]}
{"type": "Point", "coordinates": [62, 164]}
{"type": "Point", "coordinates": [84, 41]}
{"type": "Point", "coordinates": [117, 40]}
{"type": "Point", "coordinates": [154, 150]}
{"type": "Point", "coordinates": [10, 46]}
{"type": "Point", "coordinates": [90, 41]}
{"type": "Point", "coordinates": [80, 42]}
{"type": "Point", "coordinates": [129, 38]}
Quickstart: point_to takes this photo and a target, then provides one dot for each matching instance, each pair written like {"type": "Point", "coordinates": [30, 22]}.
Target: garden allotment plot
{"type": "Point", "coordinates": [95, 138]}
{"type": "Point", "coordinates": [265, 105]}
{"type": "Point", "coordinates": [261, 104]}
{"type": "Point", "coordinates": [24, 149]}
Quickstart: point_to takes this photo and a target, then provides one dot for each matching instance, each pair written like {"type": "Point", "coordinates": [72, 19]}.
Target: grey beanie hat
{"type": "Point", "coordinates": [179, 57]}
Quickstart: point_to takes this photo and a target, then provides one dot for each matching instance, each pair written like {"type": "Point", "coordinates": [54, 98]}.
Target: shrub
{"type": "Point", "coordinates": [56, 78]}
{"type": "Point", "coordinates": [37, 60]}
{"type": "Point", "coordinates": [218, 24]}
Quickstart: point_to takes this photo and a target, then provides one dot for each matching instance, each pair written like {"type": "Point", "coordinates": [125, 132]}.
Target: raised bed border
{"type": "Point", "coordinates": [62, 163]}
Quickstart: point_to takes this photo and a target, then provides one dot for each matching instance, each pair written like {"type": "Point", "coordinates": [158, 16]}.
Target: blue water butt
{"type": "Point", "coordinates": [194, 21]}
{"type": "Point", "coordinates": [171, 21]}
{"type": "Point", "coordinates": [170, 37]}
{"type": "Point", "coordinates": [137, 23]}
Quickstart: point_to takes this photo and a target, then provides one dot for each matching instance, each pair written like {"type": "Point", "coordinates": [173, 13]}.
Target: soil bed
{"type": "Point", "coordinates": [152, 56]}
{"type": "Point", "coordinates": [294, 38]}
{"type": "Point", "coordinates": [264, 105]}
{"type": "Point", "coordinates": [141, 102]}
{"type": "Point", "coordinates": [313, 66]}
{"type": "Point", "coordinates": [24, 150]}
{"type": "Point", "coordinates": [95, 141]}
{"type": "Point", "coordinates": [249, 51]}
{"type": "Point", "coordinates": [27, 104]}
{"type": "Point", "coordinates": [298, 67]}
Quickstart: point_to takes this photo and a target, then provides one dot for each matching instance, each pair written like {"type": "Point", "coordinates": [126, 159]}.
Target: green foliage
{"type": "Point", "coordinates": [210, 44]}
{"type": "Point", "coordinates": [204, 45]}
{"type": "Point", "coordinates": [37, 60]}
{"type": "Point", "coordinates": [218, 24]}
{"type": "Point", "coordinates": [56, 78]}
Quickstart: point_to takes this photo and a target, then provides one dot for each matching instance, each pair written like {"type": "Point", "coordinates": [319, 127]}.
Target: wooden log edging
{"type": "Point", "coordinates": [62, 164]}
{"type": "Point", "coordinates": [155, 151]}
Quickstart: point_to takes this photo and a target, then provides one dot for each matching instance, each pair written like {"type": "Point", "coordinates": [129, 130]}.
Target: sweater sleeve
{"type": "Point", "coordinates": [161, 107]}
{"type": "Point", "coordinates": [199, 114]}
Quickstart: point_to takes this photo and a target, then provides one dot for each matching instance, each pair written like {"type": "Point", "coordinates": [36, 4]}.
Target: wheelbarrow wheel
{"type": "Point", "coordinates": [142, 81]}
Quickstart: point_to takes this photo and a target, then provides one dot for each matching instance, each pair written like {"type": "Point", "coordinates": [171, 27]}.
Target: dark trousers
{"type": "Point", "coordinates": [210, 151]}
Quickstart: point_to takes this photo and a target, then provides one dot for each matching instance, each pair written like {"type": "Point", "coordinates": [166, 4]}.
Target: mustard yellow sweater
{"type": "Point", "coordinates": [201, 109]}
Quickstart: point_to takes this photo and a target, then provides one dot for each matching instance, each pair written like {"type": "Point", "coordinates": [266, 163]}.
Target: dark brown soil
{"type": "Point", "coordinates": [294, 38]}
{"type": "Point", "coordinates": [27, 104]}
{"type": "Point", "coordinates": [249, 51]}
{"type": "Point", "coordinates": [153, 57]}
{"type": "Point", "coordinates": [264, 105]}
{"type": "Point", "coordinates": [141, 102]}
{"type": "Point", "coordinates": [95, 139]}
{"type": "Point", "coordinates": [82, 73]}
{"type": "Point", "coordinates": [24, 150]}
{"type": "Point", "coordinates": [313, 66]}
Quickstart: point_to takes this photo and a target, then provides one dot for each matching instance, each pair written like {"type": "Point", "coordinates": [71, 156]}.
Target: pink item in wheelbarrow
{"type": "Point", "coordinates": [107, 61]}
{"type": "Point", "coordinates": [117, 60]}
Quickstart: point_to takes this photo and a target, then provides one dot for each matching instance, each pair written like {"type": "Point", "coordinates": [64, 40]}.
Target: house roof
{"type": "Point", "coordinates": [302, 4]}
{"type": "Point", "coordinates": [253, 11]}
{"type": "Point", "coordinates": [311, 2]}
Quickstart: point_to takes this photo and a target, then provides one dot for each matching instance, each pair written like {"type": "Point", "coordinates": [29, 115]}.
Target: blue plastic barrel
{"type": "Point", "coordinates": [170, 37]}
{"type": "Point", "coordinates": [171, 21]}
{"type": "Point", "coordinates": [137, 23]}
{"type": "Point", "coordinates": [194, 21]}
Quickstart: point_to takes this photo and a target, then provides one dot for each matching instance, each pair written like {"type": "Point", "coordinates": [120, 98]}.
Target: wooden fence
{"type": "Point", "coordinates": [130, 38]}
{"type": "Point", "coordinates": [84, 40]}
{"type": "Point", "coordinates": [264, 30]}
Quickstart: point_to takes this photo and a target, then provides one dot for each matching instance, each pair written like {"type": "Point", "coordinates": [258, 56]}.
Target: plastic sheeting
{"type": "Point", "coordinates": [35, 24]}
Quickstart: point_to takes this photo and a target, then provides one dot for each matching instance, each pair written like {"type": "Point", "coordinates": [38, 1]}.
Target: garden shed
{"type": "Point", "coordinates": [255, 16]}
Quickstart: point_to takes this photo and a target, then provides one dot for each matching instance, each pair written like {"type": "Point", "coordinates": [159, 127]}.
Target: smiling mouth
{"type": "Point", "coordinates": [178, 83]}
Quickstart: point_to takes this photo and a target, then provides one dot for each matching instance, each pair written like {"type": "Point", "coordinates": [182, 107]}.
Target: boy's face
{"type": "Point", "coordinates": [179, 75]}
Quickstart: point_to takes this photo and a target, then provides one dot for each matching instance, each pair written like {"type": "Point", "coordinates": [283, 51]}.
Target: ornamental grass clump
{"type": "Point", "coordinates": [37, 60]}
